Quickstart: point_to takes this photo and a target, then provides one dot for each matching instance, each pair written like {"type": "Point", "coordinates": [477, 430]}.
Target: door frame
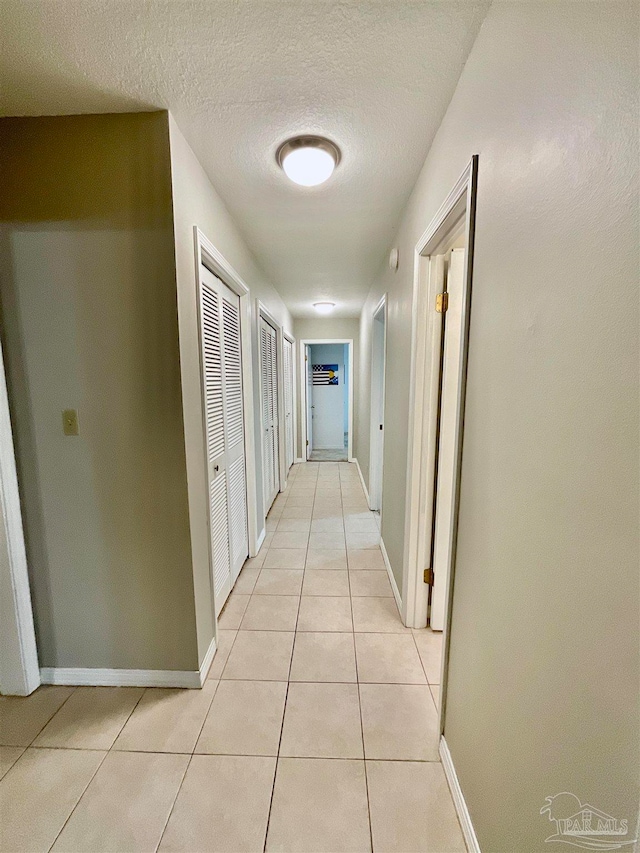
{"type": "Point", "coordinates": [376, 465]}
{"type": "Point", "coordinates": [207, 255]}
{"type": "Point", "coordinates": [284, 471]}
{"type": "Point", "coordinates": [303, 391]}
{"type": "Point", "coordinates": [459, 205]}
{"type": "Point", "coordinates": [263, 311]}
{"type": "Point", "coordinates": [19, 666]}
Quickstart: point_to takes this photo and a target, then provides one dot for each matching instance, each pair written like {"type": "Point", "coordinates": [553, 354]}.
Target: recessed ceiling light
{"type": "Point", "coordinates": [324, 307]}
{"type": "Point", "coordinates": [308, 160]}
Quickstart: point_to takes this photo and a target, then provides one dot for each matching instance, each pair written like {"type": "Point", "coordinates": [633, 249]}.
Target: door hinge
{"type": "Point", "coordinates": [428, 576]}
{"type": "Point", "coordinates": [307, 442]}
{"type": "Point", "coordinates": [442, 302]}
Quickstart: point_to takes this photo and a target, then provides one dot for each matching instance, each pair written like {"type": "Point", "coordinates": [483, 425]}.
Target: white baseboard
{"type": "Point", "coordinates": [78, 677]}
{"type": "Point", "coordinates": [364, 485]}
{"type": "Point", "coordinates": [298, 460]}
{"type": "Point", "coordinates": [205, 666]}
{"type": "Point", "coordinates": [458, 798]}
{"type": "Point", "coordinates": [392, 580]}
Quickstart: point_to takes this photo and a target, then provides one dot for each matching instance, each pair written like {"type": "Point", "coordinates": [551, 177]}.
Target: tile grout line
{"type": "Point", "coordinates": [284, 711]}
{"type": "Point", "coordinates": [175, 799]}
{"type": "Point", "coordinates": [195, 746]}
{"type": "Point", "coordinates": [44, 725]}
{"type": "Point", "coordinates": [104, 758]}
{"type": "Point", "coordinates": [364, 753]}
{"type": "Point", "coordinates": [79, 800]}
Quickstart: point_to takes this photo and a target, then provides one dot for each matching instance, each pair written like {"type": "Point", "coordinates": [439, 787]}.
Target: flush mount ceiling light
{"type": "Point", "coordinates": [308, 160]}
{"type": "Point", "coordinates": [324, 307]}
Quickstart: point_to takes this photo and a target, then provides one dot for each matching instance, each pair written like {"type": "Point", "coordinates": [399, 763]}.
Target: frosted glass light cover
{"type": "Point", "coordinates": [308, 167]}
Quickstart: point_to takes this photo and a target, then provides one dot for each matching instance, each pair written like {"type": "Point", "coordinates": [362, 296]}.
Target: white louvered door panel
{"type": "Point", "coordinates": [269, 389]}
{"type": "Point", "coordinates": [234, 431]}
{"type": "Point", "coordinates": [288, 403]}
{"type": "Point", "coordinates": [220, 538]}
{"type": "Point", "coordinates": [267, 457]}
{"type": "Point", "coordinates": [224, 427]}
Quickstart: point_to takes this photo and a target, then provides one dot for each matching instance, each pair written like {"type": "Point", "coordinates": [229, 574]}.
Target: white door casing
{"type": "Point", "coordinates": [224, 430]}
{"type": "Point", "coordinates": [289, 410]}
{"type": "Point", "coordinates": [269, 400]}
{"type": "Point", "coordinates": [306, 391]}
{"type": "Point", "coordinates": [378, 361]}
{"type": "Point", "coordinates": [309, 398]}
{"type": "Point", "coordinates": [452, 363]}
{"type": "Point", "coordinates": [19, 668]}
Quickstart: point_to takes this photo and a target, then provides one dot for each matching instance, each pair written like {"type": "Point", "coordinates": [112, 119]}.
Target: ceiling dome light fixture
{"type": "Point", "coordinates": [324, 307]}
{"type": "Point", "coordinates": [308, 160]}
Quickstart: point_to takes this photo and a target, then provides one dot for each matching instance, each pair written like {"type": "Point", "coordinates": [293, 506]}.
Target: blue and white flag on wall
{"type": "Point", "coordinates": [325, 374]}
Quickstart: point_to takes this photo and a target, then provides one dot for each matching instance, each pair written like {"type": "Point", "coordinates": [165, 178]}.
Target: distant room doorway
{"type": "Point", "coordinates": [328, 374]}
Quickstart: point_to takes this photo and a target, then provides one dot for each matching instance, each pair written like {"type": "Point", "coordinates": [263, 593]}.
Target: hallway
{"type": "Point", "coordinates": [317, 695]}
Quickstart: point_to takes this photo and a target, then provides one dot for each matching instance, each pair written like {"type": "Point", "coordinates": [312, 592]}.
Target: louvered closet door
{"type": "Point", "coordinates": [269, 389]}
{"type": "Point", "coordinates": [288, 403]}
{"type": "Point", "coordinates": [224, 417]}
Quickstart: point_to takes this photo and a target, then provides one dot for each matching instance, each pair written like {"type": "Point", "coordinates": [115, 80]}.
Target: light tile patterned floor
{"type": "Point", "coordinates": [316, 730]}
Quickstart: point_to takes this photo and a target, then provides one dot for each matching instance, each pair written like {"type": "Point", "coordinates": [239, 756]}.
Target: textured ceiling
{"type": "Point", "coordinates": [240, 77]}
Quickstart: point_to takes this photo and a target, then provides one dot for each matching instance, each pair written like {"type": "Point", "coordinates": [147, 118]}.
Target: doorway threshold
{"type": "Point", "coordinates": [335, 455]}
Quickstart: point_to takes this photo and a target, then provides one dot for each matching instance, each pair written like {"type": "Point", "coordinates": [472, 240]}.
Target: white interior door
{"type": "Point", "coordinates": [269, 391]}
{"type": "Point", "coordinates": [452, 363]}
{"type": "Point", "coordinates": [309, 395]}
{"type": "Point", "coordinates": [224, 427]}
{"type": "Point", "coordinates": [288, 403]}
{"type": "Point", "coordinates": [377, 410]}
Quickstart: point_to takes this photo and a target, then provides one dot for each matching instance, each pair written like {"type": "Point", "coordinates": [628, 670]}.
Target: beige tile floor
{"type": "Point", "coordinates": [316, 729]}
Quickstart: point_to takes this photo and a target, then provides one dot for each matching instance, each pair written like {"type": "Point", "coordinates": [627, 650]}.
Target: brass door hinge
{"type": "Point", "coordinates": [428, 576]}
{"type": "Point", "coordinates": [442, 302]}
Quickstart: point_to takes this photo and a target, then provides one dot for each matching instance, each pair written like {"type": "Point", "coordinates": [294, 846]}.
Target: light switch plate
{"type": "Point", "coordinates": [70, 422]}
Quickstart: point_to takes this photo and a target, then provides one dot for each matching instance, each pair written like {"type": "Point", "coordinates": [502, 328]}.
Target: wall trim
{"type": "Point", "coordinates": [79, 677]}
{"type": "Point", "coordinates": [364, 485]}
{"type": "Point", "coordinates": [19, 668]}
{"type": "Point", "coordinates": [459, 802]}
{"type": "Point", "coordinates": [205, 666]}
{"type": "Point", "coordinates": [259, 541]}
{"type": "Point", "coordinates": [392, 580]}
{"type": "Point", "coordinates": [297, 460]}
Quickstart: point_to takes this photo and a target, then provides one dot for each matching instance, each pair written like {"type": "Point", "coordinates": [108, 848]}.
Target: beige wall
{"type": "Point", "coordinates": [325, 328]}
{"type": "Point", "coordinates": [89, 322]}
{"type": "Point", "coordinates": [543, 684]}
{"type": "Point", "coordinates": [195, 202]}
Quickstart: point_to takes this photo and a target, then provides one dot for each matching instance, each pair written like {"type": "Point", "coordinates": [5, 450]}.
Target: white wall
{"type": "Point", "coordinates": [195, 202]}
{"type": "Point", "coordinates": [543, 685]}
{"type": "Point", "coordinates": [87, 283]}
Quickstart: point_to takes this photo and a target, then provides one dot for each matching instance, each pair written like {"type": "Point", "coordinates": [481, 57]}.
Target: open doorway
{"type": "Point", "coordinates": [442, 294]}
{"type": "Point", "coordinates": [327, 413]}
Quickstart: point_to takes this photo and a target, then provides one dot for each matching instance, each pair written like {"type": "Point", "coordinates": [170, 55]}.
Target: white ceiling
{"type": "Point", "coordinates": [240, 77]}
